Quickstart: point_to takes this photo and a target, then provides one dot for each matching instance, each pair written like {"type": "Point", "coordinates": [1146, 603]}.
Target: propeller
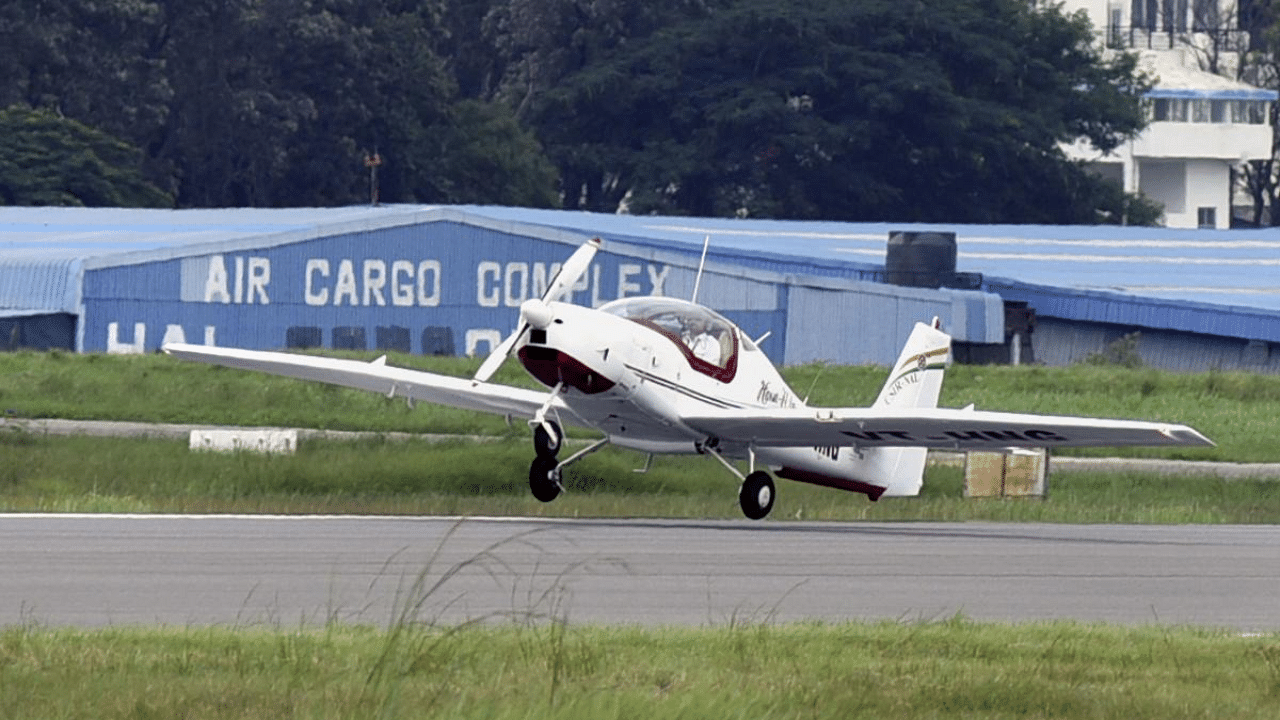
{"type": "Point", "coordinates": [537, 312]}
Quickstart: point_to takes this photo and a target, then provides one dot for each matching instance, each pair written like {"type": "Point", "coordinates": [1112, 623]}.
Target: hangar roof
{"type": "Point", "coordinates": [1211, 281]}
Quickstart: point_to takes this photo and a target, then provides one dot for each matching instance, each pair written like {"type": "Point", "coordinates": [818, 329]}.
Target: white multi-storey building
{"type": "Point", "coordinates": [1203, 123]}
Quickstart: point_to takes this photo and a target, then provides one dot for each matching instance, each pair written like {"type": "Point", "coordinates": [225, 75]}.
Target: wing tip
{"type": "Point", "coordinates": [1185, 435]}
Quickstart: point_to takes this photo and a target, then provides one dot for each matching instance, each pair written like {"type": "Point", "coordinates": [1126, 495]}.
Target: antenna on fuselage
{"type": "Point", "coordinates": [706, 242]}
{"type": "Point", "coordinates": [821, 366]}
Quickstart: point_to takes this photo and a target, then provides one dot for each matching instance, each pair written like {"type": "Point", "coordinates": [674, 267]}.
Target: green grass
{"type": "Point", "coordinates": [1241, 412]}
{"type": "Point", "coordinates": [949, 669]}
{"type": "Point", "coordinates": [91, 474]}
{"type": "Point", "coordinates": [157, 388]}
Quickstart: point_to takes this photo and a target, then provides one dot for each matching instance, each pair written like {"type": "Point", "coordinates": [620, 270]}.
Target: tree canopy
{"type": "Point", "coordinates": [916, 110]}
{"type": "Point", "coordinates": [49, 160]}
{"type": "Point", "coordinates": [951, 110]}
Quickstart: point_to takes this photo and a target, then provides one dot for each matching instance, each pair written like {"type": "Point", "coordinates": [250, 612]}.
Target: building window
{"type": "Point", "coordinates": [1207, 218]}
{"type": "Point", "coordinates": [1252, 112]}
{"type": "Point", "coordinates": [1167, 16]}
{"type": "Point", "coordinates": [1240, 112]}
{"type": "Point", "coordinates": [1257, 112]}
{"type": "Point", "coordinates": [1205, 17]}
{"type": "Point", "coordinates": [1144, 14]}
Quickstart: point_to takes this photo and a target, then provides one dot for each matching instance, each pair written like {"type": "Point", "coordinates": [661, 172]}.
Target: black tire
{"type": "Point", "coordinates": [544, 479]}
{"type": "Point", "coordinates": [547, 445]}
{"type": "Point", "coordinates": [756, 495]}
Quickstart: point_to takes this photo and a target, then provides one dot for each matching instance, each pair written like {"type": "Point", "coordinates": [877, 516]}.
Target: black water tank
{"type": "Point", "coordinates": [920, 259]}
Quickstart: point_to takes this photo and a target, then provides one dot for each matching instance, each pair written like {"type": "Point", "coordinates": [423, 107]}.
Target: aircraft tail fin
{"type": "Point", "coordinates": [915, 381]}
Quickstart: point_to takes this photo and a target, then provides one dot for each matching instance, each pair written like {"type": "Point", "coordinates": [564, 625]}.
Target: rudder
{"type": "Point", "coordinates": [916, 378]}
{"type": "Point", "coordinates": [915, 381]}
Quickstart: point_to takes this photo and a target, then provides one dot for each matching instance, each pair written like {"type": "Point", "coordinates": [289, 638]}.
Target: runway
{"type": "Point", "coordinates": [94, 570]}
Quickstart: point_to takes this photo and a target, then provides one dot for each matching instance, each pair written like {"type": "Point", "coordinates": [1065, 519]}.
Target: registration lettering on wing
{"type": "Point", "coordinates": [1030, 436]}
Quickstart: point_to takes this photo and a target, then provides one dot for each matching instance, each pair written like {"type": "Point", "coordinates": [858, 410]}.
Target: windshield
{"type": "Point", "coordinates": [705, 337]}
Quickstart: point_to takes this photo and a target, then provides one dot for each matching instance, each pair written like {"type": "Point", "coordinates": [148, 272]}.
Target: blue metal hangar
{"type": "Point", "coordinates": [450, 279]}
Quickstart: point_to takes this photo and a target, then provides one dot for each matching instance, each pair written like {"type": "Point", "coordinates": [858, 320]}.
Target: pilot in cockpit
{"type": "Point", "coordinates": [697, 335]}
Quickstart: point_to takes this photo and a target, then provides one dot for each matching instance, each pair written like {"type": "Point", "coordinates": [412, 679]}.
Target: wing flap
{"type": "Point", "coordinates": [374, 376]}
{"type": "Point", "coordinates": [941, 428]}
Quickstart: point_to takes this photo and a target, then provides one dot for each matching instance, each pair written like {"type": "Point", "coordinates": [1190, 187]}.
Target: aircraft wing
{"type": "Point", "coordinates": [376, 377]}
{"type": "Point", "coordinates": [940, 428]}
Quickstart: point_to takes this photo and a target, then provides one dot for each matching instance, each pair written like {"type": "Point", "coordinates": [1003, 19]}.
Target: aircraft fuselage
{"type": "Point", "coordinates": [629, 369]}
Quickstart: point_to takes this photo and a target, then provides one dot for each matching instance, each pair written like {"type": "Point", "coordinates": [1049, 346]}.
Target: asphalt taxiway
{"type": "Point", "coordinates": [93, 570]}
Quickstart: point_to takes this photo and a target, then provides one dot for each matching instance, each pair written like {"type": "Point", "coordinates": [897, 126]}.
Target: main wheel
{"type": "Point", "coordinates": [544, 479]}
{"type": "Point", "coordinates": [547, 444]}
{"type": "Point", "coordinates": [756, 495]}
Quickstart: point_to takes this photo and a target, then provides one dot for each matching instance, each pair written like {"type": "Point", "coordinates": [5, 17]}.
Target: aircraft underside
{"type": "Point", "coordinates": [827, 467]}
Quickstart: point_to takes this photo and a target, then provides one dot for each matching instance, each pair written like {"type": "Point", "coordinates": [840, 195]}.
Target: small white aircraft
{"type": "Point", "coordinates": [664, 375]}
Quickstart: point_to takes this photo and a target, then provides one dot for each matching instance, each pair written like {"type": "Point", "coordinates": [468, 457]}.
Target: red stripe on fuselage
{"type": "Point", "coordinates": [807, 476]}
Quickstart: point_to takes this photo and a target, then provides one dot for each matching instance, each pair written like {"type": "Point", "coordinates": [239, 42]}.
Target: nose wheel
{"type": "Point", "coordinates": [544, 472]}
{"type": "Point", "coordinates": [756, 495]}
{"type": "Point", "coordinates": [544, 478]}
{"type": "Point", "coordinates": [547, 438]}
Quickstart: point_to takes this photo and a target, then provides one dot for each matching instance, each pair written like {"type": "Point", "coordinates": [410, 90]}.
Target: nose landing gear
{"type": "Point", "coordinates": [544, 478]}
{"type": "Point", "coordinates": [547, 438]}
{"type": "Point", "coordinates": [544, 472]}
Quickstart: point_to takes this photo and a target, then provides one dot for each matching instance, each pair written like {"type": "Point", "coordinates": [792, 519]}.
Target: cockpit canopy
{"type": "Point", "coordinates": [706, 338]}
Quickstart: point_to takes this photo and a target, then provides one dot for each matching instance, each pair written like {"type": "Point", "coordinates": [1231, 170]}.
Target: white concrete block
{"type": "Point", "coordinates": [263, 441]}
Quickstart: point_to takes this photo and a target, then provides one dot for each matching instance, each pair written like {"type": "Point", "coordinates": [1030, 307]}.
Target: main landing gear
{"type": "Point", "coordinates": [544, 472]}
{"type": "Point", "coordinates": [756, 495]}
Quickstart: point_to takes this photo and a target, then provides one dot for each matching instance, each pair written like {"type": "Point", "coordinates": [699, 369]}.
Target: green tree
{"type": "Point", "coordinates": [269, 102]}
{"type": "Point", "coordinates": [1261, 66]}
{"type": "Point", "coordinates": [931, 110]}
{"type": "Point", "coordinates": [94, 61]}
{"type": "Point", "coordinates": [49, 160]}
{"type": "Point", "coordinates": [532, 44]}
{"type": "Point", "coordinates": [491, 155]}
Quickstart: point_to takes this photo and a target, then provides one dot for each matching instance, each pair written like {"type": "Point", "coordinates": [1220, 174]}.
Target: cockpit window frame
{"type": "Point", "coordinates": [630, 308]}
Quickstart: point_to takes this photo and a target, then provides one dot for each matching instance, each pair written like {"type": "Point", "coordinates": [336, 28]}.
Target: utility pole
{"type": "Point", "coordinates": [372, 162]}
